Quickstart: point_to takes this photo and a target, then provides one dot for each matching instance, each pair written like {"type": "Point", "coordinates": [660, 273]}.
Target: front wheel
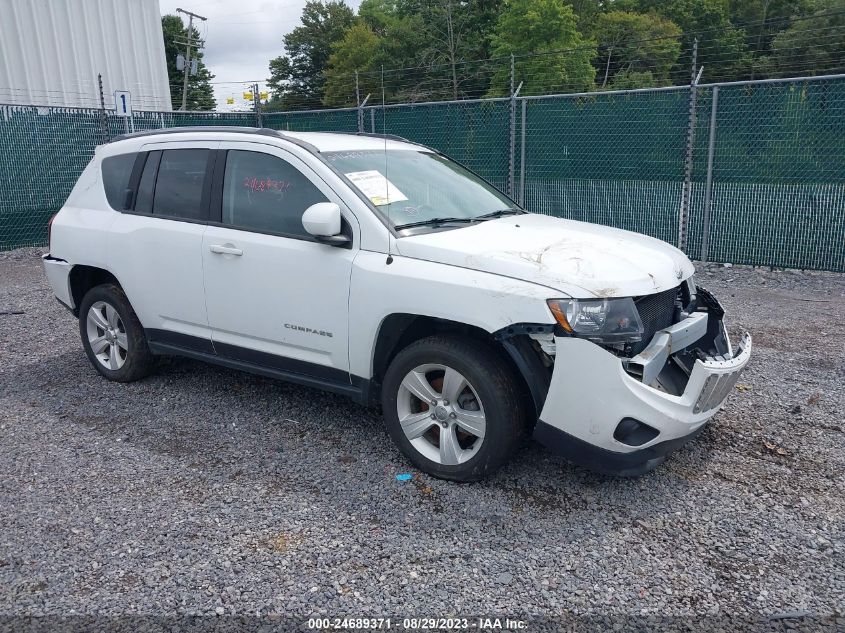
{"type": "Point", "coordinates": [112, 335]}
{"type": "Point", "coordinates": [452, 406]}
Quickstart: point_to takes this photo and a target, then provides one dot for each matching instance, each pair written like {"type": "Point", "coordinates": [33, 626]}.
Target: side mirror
{"type": "Point", "coordinates": [322, 220]}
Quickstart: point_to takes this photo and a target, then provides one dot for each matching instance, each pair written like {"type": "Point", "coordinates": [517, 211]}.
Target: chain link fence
{"type": "Point", "coordinates": [760, 180]}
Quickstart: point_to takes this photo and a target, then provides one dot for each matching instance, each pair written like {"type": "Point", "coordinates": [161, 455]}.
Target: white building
{"type": "Point", "coordinates": [51, 52]}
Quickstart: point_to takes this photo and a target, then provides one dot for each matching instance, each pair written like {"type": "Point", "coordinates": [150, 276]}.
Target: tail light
{"type": "Point", "coordinates": [50, 232]}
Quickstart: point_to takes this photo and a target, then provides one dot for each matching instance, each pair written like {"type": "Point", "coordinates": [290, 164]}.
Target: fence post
{"type": "Point", "coordinates": [686, 193]}
{"type": "Point", "coordinates": [512, 144]}
{"type": "Point", "coordinates": [522, 156]}
{"type": "Point", "coordinates": [360, 112]}
{"type": "Point", "coordinates": [708, 187]}
{"type": "Point", "coordinates": [104, 122]}
{"type": "Point", "coordinates": [373, 120]}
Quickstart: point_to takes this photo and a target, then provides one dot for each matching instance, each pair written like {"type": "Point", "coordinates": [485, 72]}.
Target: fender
{"type": "Point", "coordinates": [537, 376]}
{"type": "Point", "coordinates": [474, 298]}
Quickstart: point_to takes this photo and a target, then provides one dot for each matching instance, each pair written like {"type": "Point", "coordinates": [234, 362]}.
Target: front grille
{"type": "Point", "coordinates": [656, 311]}
{"type": "Point", "coordinates": [716, 389]}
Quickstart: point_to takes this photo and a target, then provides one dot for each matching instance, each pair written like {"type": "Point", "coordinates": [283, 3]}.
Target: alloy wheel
{"type": "Point", "coordinates": [441, 414]}
{"type": "Point", "coordinates": [107, 335]}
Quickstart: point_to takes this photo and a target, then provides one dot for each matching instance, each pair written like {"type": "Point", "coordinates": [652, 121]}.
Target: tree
{"type": "Point", "coordinates": [587, 10]}
{"type": "Point", "coordinates": [357, 51]}
{"type": "Point", "coordinates": [400, 28]}
{"type": "Point", "coordinates": [721, 46]}
{"type": "Point", "coordinates": [635, 47]}
{"type": "Point", "coordinates": [762, 20]}
{"type": "Point", "coordinates": [447, 26]}
{"type": "Point", "coordinates": [456, 36]}
{"type": "Point", "coordinates": [200, 92]}
{"type": "Point", "coordinates": [813, 45]}
{"type": "Point", "coordinates": [551, 54]}
{"type": "Point", "coordinates": [296, 78]}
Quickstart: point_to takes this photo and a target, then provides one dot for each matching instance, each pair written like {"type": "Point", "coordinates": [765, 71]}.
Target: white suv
{"type": "Point", "coordinates": [380, 269]}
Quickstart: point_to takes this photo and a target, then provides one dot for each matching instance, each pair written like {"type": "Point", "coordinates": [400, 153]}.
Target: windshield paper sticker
{"type": "Point", "coordinates": [376, 187]}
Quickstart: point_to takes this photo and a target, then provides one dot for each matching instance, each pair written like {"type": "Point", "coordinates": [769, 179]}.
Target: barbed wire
{"type": "Point", "coordinates": [644, 63]}
{"type": "Point", "coordinates": [652, 62]}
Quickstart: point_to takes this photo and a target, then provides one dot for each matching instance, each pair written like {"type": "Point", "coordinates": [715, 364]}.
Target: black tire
{"type": "Point", "coordinates": [490, 378]}
{"type": "Point", "coordinates": [139, 360]}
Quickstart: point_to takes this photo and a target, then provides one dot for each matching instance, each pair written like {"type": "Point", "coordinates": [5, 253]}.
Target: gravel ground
{"type": "Point", "coordinates": [206, 491]}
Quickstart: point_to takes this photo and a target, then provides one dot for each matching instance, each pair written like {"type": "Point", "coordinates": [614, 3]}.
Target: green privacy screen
{"type": "Point", "coordinates": [779, 175]}
{"type": "Point", "coordinates": [613, 159]}
{"type": "Point", "coordinates": [475, 133]}
{"type": "Point", "coordinates": [777, 195]}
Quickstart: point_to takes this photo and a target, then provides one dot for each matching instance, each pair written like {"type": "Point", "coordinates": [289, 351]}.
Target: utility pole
{"type": "Point", "coordinates": [256, 102]}
{"type": "Point", "coordinates": [191, 17]}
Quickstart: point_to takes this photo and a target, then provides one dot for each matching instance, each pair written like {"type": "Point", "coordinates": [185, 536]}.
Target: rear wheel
{"type": "Point", "coordinates": [112, 335]}
{"type": "Point", "coordinates": [453, 407]}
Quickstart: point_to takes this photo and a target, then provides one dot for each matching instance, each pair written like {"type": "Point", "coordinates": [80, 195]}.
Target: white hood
{"type": "Point", "coordinates": [576, 258]}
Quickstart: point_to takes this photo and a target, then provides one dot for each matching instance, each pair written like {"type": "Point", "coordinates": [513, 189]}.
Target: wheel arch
{"type": "Point", "coordinates": [82, 278]}
{"type": "Point", "coordinates": [399, 330]}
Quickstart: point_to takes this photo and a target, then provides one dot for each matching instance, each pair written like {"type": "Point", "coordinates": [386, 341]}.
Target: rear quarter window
{"type": "Point", "coordinates": [116, 173]}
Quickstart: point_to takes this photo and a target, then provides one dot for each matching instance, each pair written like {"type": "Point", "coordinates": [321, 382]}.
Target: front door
{"type": "Point", "coordinates": [275, 296]}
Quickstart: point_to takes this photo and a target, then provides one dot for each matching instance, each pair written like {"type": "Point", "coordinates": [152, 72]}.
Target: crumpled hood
{"type": "Point", "coordinates": [576, 258]}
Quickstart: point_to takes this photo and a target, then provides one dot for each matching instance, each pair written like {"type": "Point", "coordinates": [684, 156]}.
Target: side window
{"type": "Point", "coordinates": [266, 194]}
{"type": "Point", "coordinates": [116, 173]}
{"type": "Point", "coordinates": [179, 185]}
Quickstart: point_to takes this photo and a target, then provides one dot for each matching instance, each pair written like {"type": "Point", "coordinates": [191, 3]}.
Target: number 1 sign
{"type": "Point", "coordinates": [122, 103]}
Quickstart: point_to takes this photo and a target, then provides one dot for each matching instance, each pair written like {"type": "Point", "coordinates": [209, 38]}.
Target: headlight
{"type": "Point", "coordinates": [602, 320]}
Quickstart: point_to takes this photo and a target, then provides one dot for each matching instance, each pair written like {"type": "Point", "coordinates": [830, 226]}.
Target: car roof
{"type": "Point", "coordinates": [316, 142]}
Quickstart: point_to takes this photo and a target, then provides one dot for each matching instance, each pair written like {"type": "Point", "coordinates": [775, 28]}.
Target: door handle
{"type": "Point", "coordinates": [223, 249]}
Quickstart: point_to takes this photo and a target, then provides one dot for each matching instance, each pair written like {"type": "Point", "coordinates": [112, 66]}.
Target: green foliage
{"type": "Point", "coordinates": [457, 32]}
{"type": "Point", "coordinates": [762, 20]}
{"type": "Point", "coordinates": [378, 14]}
{"type": "Point", "coordinates": [357, 51]}
{"type": "Point", "coordinates": [200, 92]}
{"type": "Point", "coordinates": [529, 28]}
{"type": "Point", "coordinates": [642, 48]}
{"type": "Point", "coordinates": [453, 49]}
{"type": "Point", "coordinates": [296, 78]}
{"type": "Point", "coordinates": [721, 49]}
{"type": "Point", "coordinates": [817, 43]}
{"type": "Point", "coordinates": [632, 79]}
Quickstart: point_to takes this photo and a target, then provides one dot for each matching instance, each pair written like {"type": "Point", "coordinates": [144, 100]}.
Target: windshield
{"type": "Point", "coordinates": [415, 187]}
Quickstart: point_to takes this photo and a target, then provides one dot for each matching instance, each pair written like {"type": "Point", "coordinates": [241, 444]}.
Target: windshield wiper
{"type": "Point", "coordinates": [477, 218]}
{"type": "Point", "coordinates": [433, 222]}
{"type": "Point", "coordinates": [500, 213]}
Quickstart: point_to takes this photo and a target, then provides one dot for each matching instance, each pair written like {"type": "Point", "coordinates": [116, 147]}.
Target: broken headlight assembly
{"type": "Point", "coordinates": [600, 320]}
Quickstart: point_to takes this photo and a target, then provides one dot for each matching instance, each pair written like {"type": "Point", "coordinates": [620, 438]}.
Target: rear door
{"type": "Point", "coordinates": [156, 245]}
{"type": "Point", "coordinates": [276, 297]}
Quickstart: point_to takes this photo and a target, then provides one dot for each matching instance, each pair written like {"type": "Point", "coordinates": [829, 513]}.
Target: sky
{"type": "Point", "coordinates": [241, 37]}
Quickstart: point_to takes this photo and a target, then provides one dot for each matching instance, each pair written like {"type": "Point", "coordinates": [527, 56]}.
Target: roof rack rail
{"type": "Point", "coordinates": [235, 129]}
{"type": "Point", "coordinates": [391, 137]}
{"type": "Point", "coordinates": [194, 128]}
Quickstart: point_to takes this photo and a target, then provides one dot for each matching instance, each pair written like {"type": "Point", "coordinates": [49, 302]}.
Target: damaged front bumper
{"type": "Point", "coordinates": [620, 416]}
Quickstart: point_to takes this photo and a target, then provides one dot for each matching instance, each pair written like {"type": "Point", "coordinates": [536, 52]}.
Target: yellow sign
{"type": "Point", "coordinates": [230, 100]}
{"type": "Point", "coordinates": [264, 95]}
{"type": "Point", "coordinates": [248, 96]}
